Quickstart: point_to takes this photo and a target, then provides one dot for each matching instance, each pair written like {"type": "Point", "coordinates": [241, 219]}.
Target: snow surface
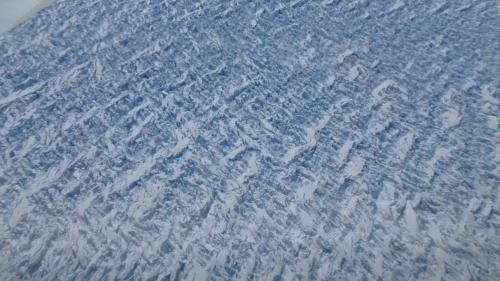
{"type": "Point", "coordinates": [251, 140]}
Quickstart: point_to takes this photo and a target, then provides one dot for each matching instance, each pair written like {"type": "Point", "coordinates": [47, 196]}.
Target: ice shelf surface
{"type": "Point", "coordinates": [251, 140]}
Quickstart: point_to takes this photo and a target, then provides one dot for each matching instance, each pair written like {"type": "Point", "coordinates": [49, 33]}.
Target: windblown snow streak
{"type": "Point", "coordinates": [251, 140]}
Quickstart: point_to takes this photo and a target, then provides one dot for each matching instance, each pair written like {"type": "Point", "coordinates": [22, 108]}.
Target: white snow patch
{"type": "Point", "coordinates": [398, 5]}
{"type": "Point", "coordinates": [439, 154]}
{"type": "Point", "coordinates": [267, 125]}
{"type": "Point", "coordinates": [411, 219]}
{"type": "Point", "coordinates": [354, 72]}
{"type": "Point", "coordinates": [108, 139]}
{"type": "Point", "coordinates": [441, 257]}
{"type": "Point", "coordinates": [492, 122]}
{"type": "Point", "coordinates": [451, 118]}
{"type": "Point", "coordinates": [349, 205]}
{"type": "Point", "coordinates": [344, 151]}
{"type": "Point", "coordinates": [474, 204]}
{"type": "Point", "coordinates": [355, 167]}
{"type": "Point", "coordinates": [487, 210]}
{"type": "Point", "coordinates": [403, 146]}
{"type": "Point", "coordinates": [306, 219]}
{"type": "Point", "coordinates": [69, 121]}
{"type": "Point", "coordinates": [306, 192]}
{"type": "Point", "coordinates": [497, 153]}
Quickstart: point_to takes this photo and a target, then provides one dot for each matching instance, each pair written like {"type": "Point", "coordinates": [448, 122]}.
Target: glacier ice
{"type": "Point", "coordinates": [251, 140]}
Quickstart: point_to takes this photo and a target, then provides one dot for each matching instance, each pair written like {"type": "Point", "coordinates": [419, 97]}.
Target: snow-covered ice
{"type": "Point", "coordinates": [249, 140]}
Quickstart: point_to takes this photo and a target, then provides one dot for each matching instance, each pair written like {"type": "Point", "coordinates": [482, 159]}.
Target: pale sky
{"type": "Point", "coordinates": [13, 12]}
